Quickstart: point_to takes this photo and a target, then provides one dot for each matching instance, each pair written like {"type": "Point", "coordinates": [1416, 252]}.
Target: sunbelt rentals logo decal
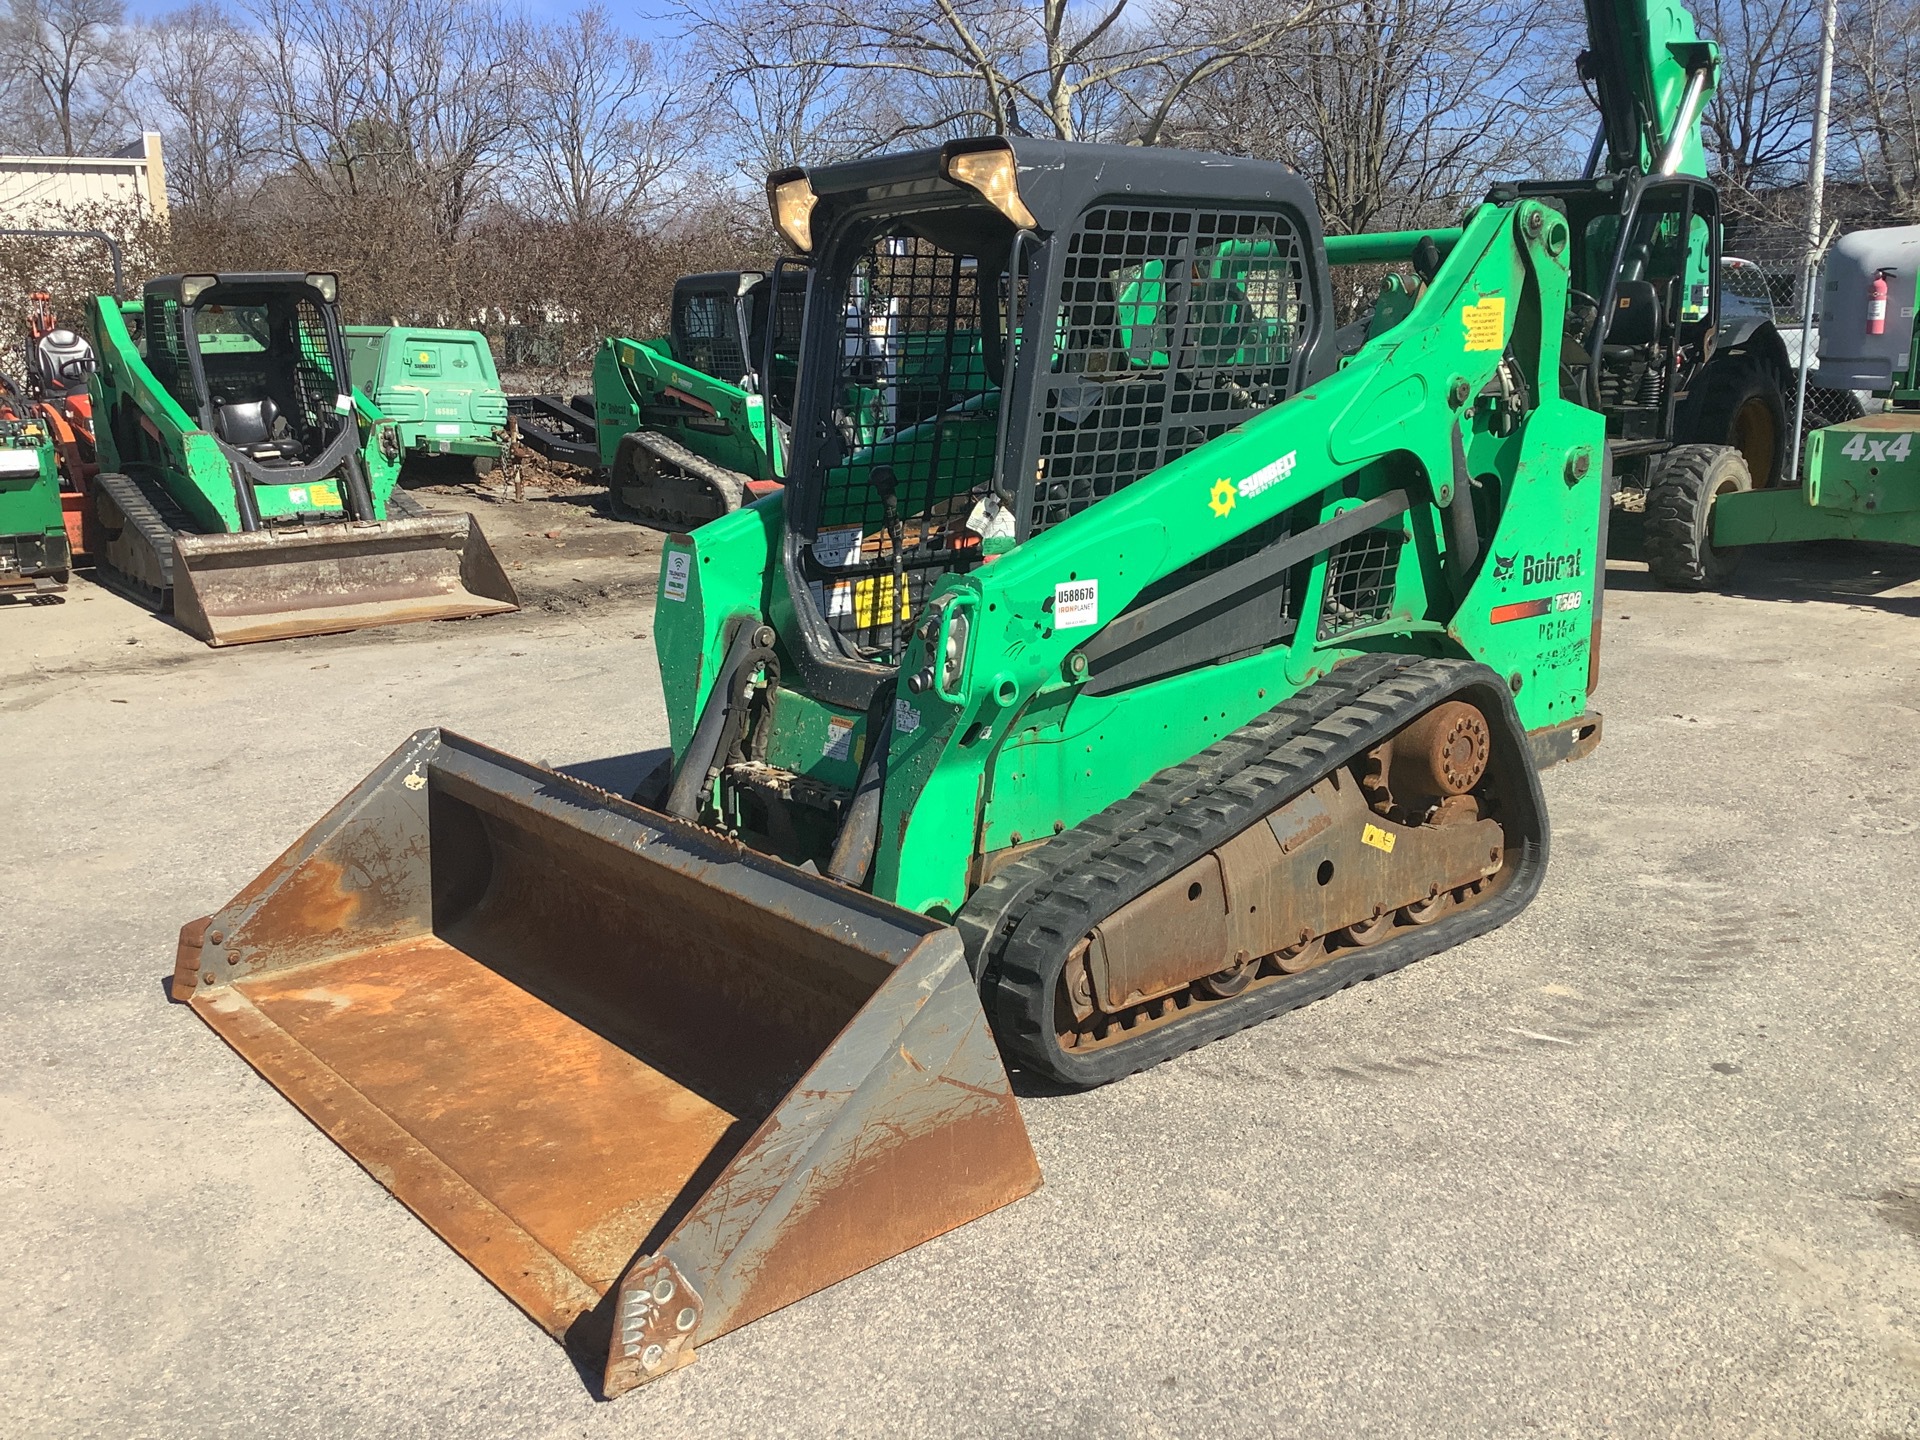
{"type": "Point", "coordinates": [1221, 498]}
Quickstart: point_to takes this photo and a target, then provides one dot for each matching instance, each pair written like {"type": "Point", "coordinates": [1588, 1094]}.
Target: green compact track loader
{"type": "Point", "coordinates": [1132, 656]}
{"type": "Point", "coordinates": [692, 426]}
{"type": "Point", "coordinates": [247, 487]}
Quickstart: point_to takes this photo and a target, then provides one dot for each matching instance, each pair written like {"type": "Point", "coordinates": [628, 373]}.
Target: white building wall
{"type": "Point", "coordinates": [42, 191]}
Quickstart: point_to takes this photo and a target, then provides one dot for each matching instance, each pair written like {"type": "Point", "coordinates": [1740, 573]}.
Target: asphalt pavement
{"type": "Point", "coordinates": [1644, 1162]}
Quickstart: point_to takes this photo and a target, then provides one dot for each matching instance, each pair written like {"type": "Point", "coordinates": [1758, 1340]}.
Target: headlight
{"type": "Point", "coordinates": [994, 173]}
{"type": "Point", "coordinates": [791, 199]}
{"type": "Point", "coordinates": [192, 287]}
{"type": "Point", "coordinates": [327, 285]}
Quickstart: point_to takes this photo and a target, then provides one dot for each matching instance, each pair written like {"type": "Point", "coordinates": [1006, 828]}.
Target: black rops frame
{"type": "Point", "coordinates": [1058, 183]}
{"type": "Point", "coordinates": [343, 453]}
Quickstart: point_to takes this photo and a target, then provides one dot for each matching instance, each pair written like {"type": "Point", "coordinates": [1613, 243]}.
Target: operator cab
{"type": "Point", "coordinates": [1643, 303]}
{"type": "Point", "coordinates": [720, 327]}
{"type": "Point", "coordinates": [260, 362]}
{"type": "Point", "coordinates": [933, 427]}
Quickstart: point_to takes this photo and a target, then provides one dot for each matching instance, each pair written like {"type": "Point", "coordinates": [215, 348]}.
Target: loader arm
{"type": "Point", "coordinates": [161, 432]}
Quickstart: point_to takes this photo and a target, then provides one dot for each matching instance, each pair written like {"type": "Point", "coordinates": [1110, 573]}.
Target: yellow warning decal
{"type": "Point", "coordinates": [873, 602]}
{"type": "Point", "coordinates": [1376, 837]}
{"type": "Point", "coordinates": [1221, 499]}
{"type": "Point", "coordinates": [1486, 323]}
{"type": "Point", "coordinates": [327, 493]}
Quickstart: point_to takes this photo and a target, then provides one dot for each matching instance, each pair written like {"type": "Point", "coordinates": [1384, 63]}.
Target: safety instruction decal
{"type": "Point", "coordinates": [839, 744]}
{"type": "Point", "coordinates": [1076, 604]}
{"type": "Point", "coordinates": [1376, 837]}
{"type": "Point", "coordinates": [679, 570]}
{"type": "Point", "coordinates": [1486, 322]}
{"type": "Point", "coordinates": [838, 546]}
{"type": "Point", "coordinates": [906, 719]}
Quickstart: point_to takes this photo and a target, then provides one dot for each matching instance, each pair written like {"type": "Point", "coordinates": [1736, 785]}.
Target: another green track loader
{"type": "Point", "coordinates": [1131, 657]}
{"type": "Point", "coordinates": [247, 487]}
{"type": "Point", "coordinates": [689, 426]}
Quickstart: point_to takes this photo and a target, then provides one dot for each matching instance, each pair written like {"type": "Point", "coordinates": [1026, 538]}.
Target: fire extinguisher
{"type": "Point", "coordinates": [1877, 303]}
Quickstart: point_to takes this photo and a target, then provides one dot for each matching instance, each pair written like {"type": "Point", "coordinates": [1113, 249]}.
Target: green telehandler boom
{"type": "Point", "coordinates": [246, 486]}
{"type": "Point", "coordinates": [1159, 661]}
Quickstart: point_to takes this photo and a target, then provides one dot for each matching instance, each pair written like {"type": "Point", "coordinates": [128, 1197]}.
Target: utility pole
{"type": "Point", "coordinates": [1816, 186]}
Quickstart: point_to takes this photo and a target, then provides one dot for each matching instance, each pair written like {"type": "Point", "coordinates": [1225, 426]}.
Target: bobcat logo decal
{"type": "Point", "coordinates": [1503, 567]}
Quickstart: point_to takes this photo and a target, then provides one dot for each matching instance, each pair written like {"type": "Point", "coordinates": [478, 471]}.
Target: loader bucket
{"type": "Point", "coordinates": [584, 1041]}
{"type": "Point", "coordinates": [275, 584]}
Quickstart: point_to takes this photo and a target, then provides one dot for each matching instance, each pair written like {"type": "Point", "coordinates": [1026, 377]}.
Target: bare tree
{"type": "Point", "coordinates": [64, 67]}
{"type": "Point", "coordinates": [202, 86]}
{"type": "Point", "coordinates": [1398, 110]}
{"type": "Point", "coordinates": [413, 99]}
{"type": "Point", "coordinates": [780, 96]}
{"type": "Point", "coordinates": [1758, 126]}
{"type": "Point", "coordinates": [1877, 82]}
{"type": "Point", "coordinates": [1114, 71]}
{"type": "Point", "coordinates": [603, 125]}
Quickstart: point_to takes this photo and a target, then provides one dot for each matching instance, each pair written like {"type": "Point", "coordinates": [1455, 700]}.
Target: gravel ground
{"type": "Point", "coordinates": [1644, 1162]}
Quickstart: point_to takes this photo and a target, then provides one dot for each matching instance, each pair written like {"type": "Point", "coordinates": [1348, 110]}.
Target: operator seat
{"type": "Point", "coordinates": [248, 426]}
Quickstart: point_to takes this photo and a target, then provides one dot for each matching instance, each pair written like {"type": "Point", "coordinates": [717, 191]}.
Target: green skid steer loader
{"type": "Point", "coordinates": [1161, 660]}
{"type": "Point", "coordinates": [692, 426]}
{"type": "Point", "coordinates": [247, 487]}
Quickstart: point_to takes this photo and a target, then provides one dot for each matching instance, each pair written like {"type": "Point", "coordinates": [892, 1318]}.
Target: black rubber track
{"type": "Point", "coordinates": [728, 487]}
{"type": "Point", "coordinates": [1040, 907]}
{"type": "Point", "coordinates": [154, 517]}
{"type": "Point", "coordinates": [402, 506]}
{"type": "Point", "coordinates": [1679, 516]}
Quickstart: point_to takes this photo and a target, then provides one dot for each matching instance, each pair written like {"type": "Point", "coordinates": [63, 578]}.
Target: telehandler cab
{"type": "Point", "coordinates": [1146, 668]}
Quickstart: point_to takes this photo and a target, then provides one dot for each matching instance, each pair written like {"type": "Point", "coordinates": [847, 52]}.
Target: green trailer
{"type": "Point", "coordinates": [34, 553]}
{"type": "Point", "coordinates": [1860, 479]}
{"type": "Point", "coordinates": [439, 388]}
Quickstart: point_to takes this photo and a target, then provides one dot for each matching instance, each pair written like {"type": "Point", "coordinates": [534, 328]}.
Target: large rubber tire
{"type": "Point", "coordinates": [1679, 518]}
{"type": "Point", "coordinates": [484, 465]}
{"type": "Point", "coordinates": [1739, 402]}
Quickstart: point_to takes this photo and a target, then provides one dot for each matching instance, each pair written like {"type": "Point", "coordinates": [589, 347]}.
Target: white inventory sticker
{"type": "Point", "coordinates": [838, 546]}
{"type": "Point", "coordinates": [446, 429]}
{"type": "Point", "coordinates": [906, 719]}
{"type": "Point", "coordinates": [839, 744]}
{"type": "Point", "coordinates": [1076, 604]}
{"type": "Point", "coordinates": [679, 570]}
